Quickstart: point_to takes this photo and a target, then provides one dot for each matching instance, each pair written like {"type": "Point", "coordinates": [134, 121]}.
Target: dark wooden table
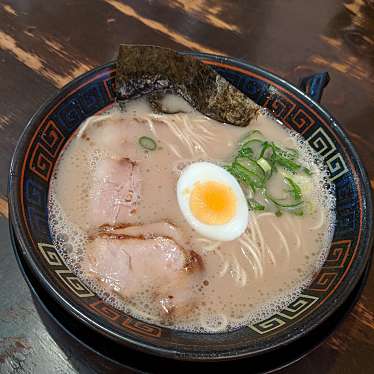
{"type": "Point", "coordinates": [44, 44]}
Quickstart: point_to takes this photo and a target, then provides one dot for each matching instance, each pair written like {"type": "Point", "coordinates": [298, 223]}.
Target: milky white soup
{"type": "Point", "coordinates": [116, 221]}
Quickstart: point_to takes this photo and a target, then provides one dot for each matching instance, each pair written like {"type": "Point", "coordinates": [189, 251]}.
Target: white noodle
{"type": "Point", "coordinates": [239, 274]}
{"type": "Point", "coordinates": [267, 214]}
{"type": "Point", "coordinates": [254, 268]}
{"type": "Point", "coordinates": [263, 246]}
{"type": "Point", "coordinates": [208, 137]}
{"type": "Point", "coordinates": [188, 131]}
{"type": "Point", "coordinates": [151, 127]}
{"type": "Point", "coordinates": [298, 241]}
{"type": "Point", "coordinates": [282, 238]}
{"type": "Point", "coordinates": [251, 237]}
{"type": "Point", "coordinates": [250, 233]}
{"type": "Point", "coordinates": [184, 138]}
{"type": "Point", "coordinates": [188, 135]}
{"type": "Point", "coordinates": [255, 256]}
{"type": "Point", "coordinates": [226, 266]}
{"type": "Point", "coordinates": [271, 255]}
{"type": "Point", "coordinates": [173, 149]}
{"type": "Point", "coordinates": [235, 272]}
{"type": "Point", "coordinates": [269, 251]}
{"type": "Point", "coordinates": [91, 121]}
{"type": "Point", "coordinates": [320, 222]}
{"type": "Point", "coordinates": [259, 234]}
{"type": "Point", "coordinates": [180, 135]}
{"type": "Point", "coordinates": [295, 230]}
{"type": "Point", "coordinates": [243, 278]}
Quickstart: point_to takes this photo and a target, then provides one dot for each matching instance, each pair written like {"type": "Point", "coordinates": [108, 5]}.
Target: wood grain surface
{"type": "Point", "coordinates": [45, 44]}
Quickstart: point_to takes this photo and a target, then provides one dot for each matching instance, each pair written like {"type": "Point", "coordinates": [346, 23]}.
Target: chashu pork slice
{"type": "Point", "coordinates": [115, 193]}
{"type": "Point", "coordinates": [148, 231]}
{"type": "Point", "coordinates": [129, 265]}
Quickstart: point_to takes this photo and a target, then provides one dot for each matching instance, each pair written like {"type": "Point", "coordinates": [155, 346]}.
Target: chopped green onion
{"type": "Point", "coordinates": [291, 153]}
{"type": "Point", "coordinates": [247, 177]}
{"type": "Point", "coordinates": [298, 212]}
{"type": "Point", "coordinates": [251, 171]}
{"type": "Point", "coordinates": [265, 166]}
{"type": "Point", "coordinates": [295, 189]}
{"type": "Point", "coordinates": [256, 162]}
{"type": "Point", "coordinates": [307, 171]}
{"type": "Point", "coordinates": [255, 146]}
{"type": "Point", "coordinates": [255, 205]}
{"type": "Point", "coordinates": [245, 152]}
{"type": "Point", "coordinates": [147, 143]}
{"type": "Point", "coordinates": [251, 166]}
{"type": "Point", "coordinates": [265, 147]}
{"type": "Point", "coordinates": [279, 202]}
{"type": "Point", "coordinates": [288, 164]}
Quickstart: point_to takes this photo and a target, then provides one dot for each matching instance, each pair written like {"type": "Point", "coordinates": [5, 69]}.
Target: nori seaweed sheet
{"type": "Point", "coordinates": [144, 70]}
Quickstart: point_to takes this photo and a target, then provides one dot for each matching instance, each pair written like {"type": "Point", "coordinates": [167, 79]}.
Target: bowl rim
{"type": "Point", "coordinates": [13, 193]}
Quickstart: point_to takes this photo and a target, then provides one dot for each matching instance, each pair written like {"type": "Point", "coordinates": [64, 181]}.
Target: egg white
{"type": "Point", "coordinates": [204, 172]}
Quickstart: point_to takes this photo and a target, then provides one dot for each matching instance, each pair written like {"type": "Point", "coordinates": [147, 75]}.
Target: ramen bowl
{"type": "Point", "coordinates": [54, 124]}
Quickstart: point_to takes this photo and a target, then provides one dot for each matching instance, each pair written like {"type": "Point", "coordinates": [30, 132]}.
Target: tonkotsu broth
{"type": "Point", "coordinates": [234, 289]}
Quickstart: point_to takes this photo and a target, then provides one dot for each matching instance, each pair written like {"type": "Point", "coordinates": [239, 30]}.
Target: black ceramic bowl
{"type": "Point", "coordinates": [51, 127]}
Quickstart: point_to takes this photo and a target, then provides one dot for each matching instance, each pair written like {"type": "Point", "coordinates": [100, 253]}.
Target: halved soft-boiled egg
{"type": "Point", "coordinates": [212, 201]}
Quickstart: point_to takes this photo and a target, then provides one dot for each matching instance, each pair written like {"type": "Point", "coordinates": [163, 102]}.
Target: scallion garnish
{"type": "Point", "coordinates": [307, 171]}
{"type": "Point", "coordinates": [281, 203]}
{"type": "Point", "coordinates": [255, 205]}
{"type": "Point", "coordinates": [295, 190]}
{"type": "Point", "coordinates": [265, 165]}
{"type": "Point", "coordinates": [256, 162]}
{"type": "Point", "coordinates": [147, 143]}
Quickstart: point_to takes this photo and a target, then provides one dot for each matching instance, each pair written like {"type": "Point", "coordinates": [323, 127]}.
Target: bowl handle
{"type": "Point", "coordinates": [313, 85]}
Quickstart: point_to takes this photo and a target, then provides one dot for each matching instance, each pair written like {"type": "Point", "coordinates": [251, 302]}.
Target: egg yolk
{"type": "Point", "coordinates": [213, 203]}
